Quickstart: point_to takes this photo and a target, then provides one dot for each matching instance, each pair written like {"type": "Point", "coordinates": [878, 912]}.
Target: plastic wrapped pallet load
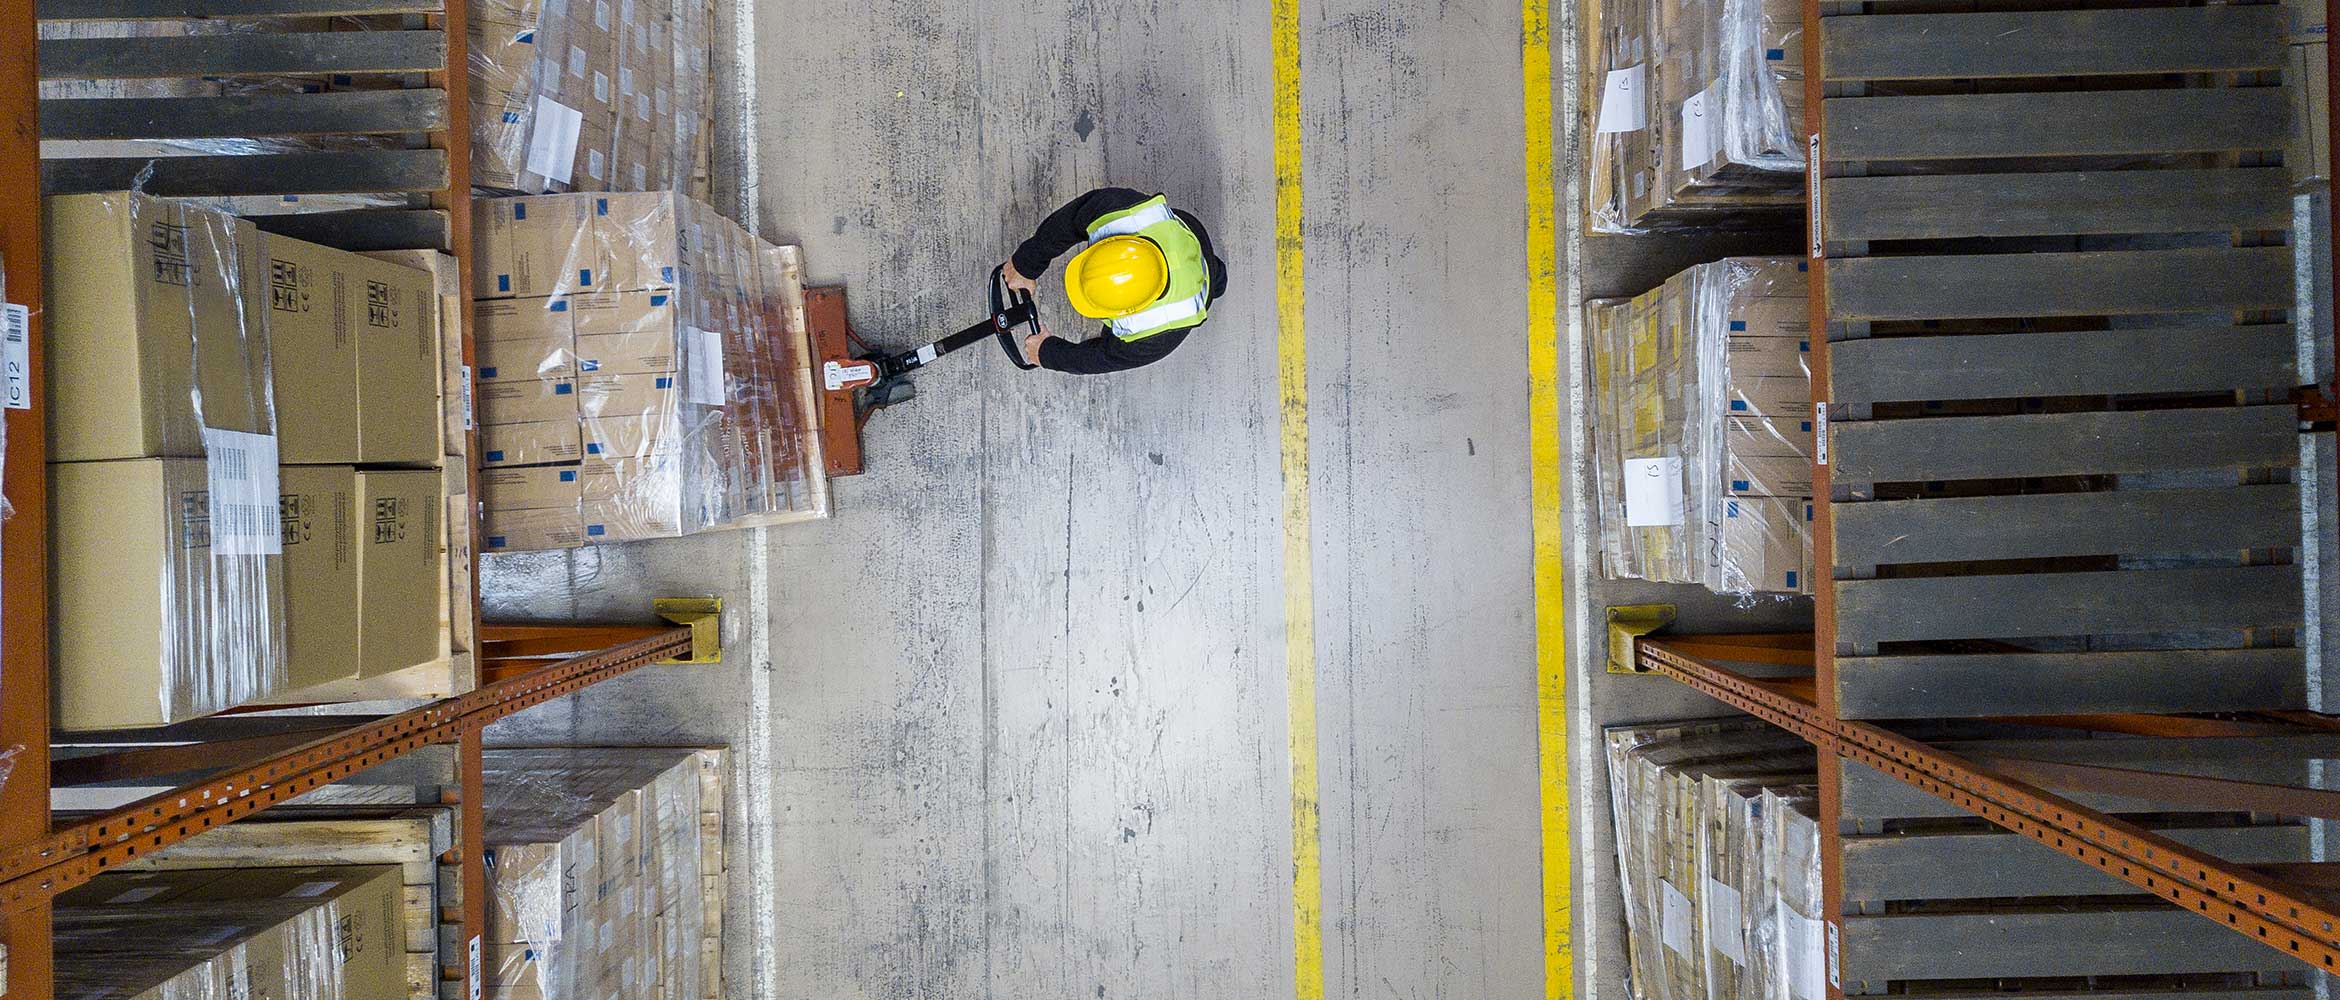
{"type": "Point", "coordinates": [1697, 110]}
{"type": "Point", "coordinates": [644, 372]}
{"type": "Point", "coordinates": [318, 933]}
{"type": "Point", "coordinates": [590, 95]}
{"type": "Point", "coordinates": [1702, 428]}
{"type": "Point", "coordinates": [597, 863]}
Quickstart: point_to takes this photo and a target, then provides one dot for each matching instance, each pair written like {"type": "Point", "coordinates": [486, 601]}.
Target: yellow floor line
{"type": "Point", "coordinates": [1299, 583]}
{"type": "Point", "coordinates": [1543, 350]}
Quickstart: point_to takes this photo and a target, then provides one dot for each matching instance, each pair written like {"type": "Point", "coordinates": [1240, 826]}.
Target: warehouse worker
{"type": "Point", "coordinates": [1148, 272]}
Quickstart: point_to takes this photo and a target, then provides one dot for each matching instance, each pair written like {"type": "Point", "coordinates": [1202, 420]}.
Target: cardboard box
{"type": "Point", "coordinates": [143, 300]}
{"type": "Point", "coordinates": [629, 499]}
{"type": "Point", "coordinates": [540, 318]}
{"type": "Point", "coordinates": [402, 568]}
{"type": "Point", "coordinates": [641, 234]}
{"type": "Point", "coordinates": [612, 438]}
{"type": "Point", "coordinates": [1787, 357]}
{"type": "Point", "coordinates": [535, 246]}
{"type": "Point", "coordinates": [532, 530]}
{"type": "Point", "coordinates": [249, 933]}
{"type": "Point", "coordinates": [1775, 397]}
{"type": "Point", "coordinates": [454, 376]}
{"type": "Point", "coordinates": [527, 401]}
{"type": "Point", "coordinates": [543, 487]}
{"type": "Point", "coordinates": [509, 360]}
{"type": "Point", "coordinates": [398, 362]}
{"type": "Point", "coordinates": [168, 588]}
{"type": "Point", "coordinates": [314, 347]}
{"type": "Point", "coordinates": [629, 395]}
{"type": "Point", "coordinates": [623, 333]}
{"type": "Point", "coordinates": [531, 444]}
{"type": "Point", "coordinates": [1767, 541]}
{"type": "Point", "coordinates": [321, 599]}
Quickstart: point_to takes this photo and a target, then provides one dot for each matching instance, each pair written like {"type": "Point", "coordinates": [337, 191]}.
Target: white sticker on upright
{"type": "Point", "coordinates": [1812, 171]}
{"type": "Point", "coordinates": [1834, 974]}
{"type": "Point", "coordinates": [475, 976]}
{"type": "Point", "coordinates": [1653, 492]}
{"type": "Point", "coordinates": [834, 376]}
{"type": "Point", "coordinates": [139, 895]}
{"type": "Point", "coordinates": [1701, 128]}
{"type": "Point", "coordinates": [1802, 947]}
{"type": "Point", "coordinates": [240, 473]}
{"type": "Point", "coordinates": [1724, 923]}
{"type": "Point", "coordinates": [707, 368]}
{"type": "Point", "coordinates": [1624, 101]}
{"type": "Point", "coordinates": [1674, 925]}
{"type": "Point", "coordinates": [466, 399]}
{"type": "Point", "coordinates": [552, 148]}
{"type": "Point", "coordinates": [1820, 433]}
{"type": "Point", "coordinates": [16, 355]}
{"type": "Point", "coordinates": [310, 889]}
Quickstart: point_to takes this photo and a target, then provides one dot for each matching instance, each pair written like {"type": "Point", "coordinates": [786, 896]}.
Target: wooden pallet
{"type": "Point", "coordinates": [2059, 295]}
{"type": "Point", "coordinates": [276, 101]}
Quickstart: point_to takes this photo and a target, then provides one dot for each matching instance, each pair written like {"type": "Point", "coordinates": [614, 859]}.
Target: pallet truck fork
{"type": "Point", "coordinates": [857, 380]}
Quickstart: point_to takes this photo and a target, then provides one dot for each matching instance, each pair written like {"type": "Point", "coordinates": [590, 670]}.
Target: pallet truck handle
{"type": "Point", "coordinates": [1011, 308]}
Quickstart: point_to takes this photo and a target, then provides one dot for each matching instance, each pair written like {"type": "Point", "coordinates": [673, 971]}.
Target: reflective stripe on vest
{"type": "Point", "coordinates": [1186, 302]}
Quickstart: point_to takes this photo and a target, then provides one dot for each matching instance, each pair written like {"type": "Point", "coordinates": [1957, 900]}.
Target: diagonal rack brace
{"type": "Point", "coordinates": [2292, 918]}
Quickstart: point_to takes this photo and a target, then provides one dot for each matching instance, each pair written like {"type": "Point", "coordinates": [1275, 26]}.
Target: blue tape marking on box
{"type": "Point", "coordinates": [568, 475]}
{"type": "Point", "coordinates": [496, 541]}
{"type": "Point", "coordinates": [1805, 426]}
{"type": "Point", "coordinates": [527, 37]}
{"type": "Point", "coordinates": [1739, 484]}
{"type": "Point", "coordinates": [585, 276]}
{"type": "Point", "coordinates": [593, 449]}
{"type": "Point", "coordinates": [664, 382]}
{"type": "Point", "coordinates": [1803, 346]}
{"type": "Point", "coordinates": [1791, 579]}
{"type": "Point", "coordinates": [1733, 509]}
{"type": "Point", "coordinates": [487, 371]}
{"type": "Point", "coordinates": [588, 365]}
{"type": "Point", "coordinates": [1738, 326]}
{"type": "Point", "coordinates": [657, 300]}
{"type": "Point", "coordinates": [1738, 404]}
{"type": "Point", "coordinates": [511, 117]}
{"type": "Point", "coordinates": [503, 282]}
{"type": "Point", "coordinates": [519, 210]}
{"type": "Point", "coordinates": [601, 206]}
{"type": "Point", "coordinates": [1774, 55]}
{"type": "Point", "coordinates": [563, 389]}
{"type": "Point", "coordinates": [559, 306]}
{"type": "Point", "coordinates": [495, 456]}
{"type": "Point", "coordinates": [666, 273]}
{"type": "Point", "coordinates": [596, 530]}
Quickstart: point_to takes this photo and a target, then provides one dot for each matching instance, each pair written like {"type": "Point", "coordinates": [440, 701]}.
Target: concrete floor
{"type": "Point", "coordinates": [1013, 723]}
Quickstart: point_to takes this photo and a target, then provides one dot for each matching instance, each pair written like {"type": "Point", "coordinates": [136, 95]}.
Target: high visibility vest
{"type": "Point", "coordinates": [1186, 302]}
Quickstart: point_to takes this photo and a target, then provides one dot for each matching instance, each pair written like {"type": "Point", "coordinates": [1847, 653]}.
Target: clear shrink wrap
{"type": "Point", "coordinates": [589, 95]}
{"type": "Point", "coordinates": [1687, 801]}
{"type": "Point", "coordinates": [1792, 942]}
{"type": "Point", "coordinates": [165, 549]}
{"type": "Point", "coordinates": [1697, 112]}
{"type": "Point", "coordinates": [1702, 428]}
{"type": "Point", "coordinates": [318, 933]}
{"type": "Point", "coordinates": [596, 863]}
{"type": "Point", "coordinates": [643, 373]}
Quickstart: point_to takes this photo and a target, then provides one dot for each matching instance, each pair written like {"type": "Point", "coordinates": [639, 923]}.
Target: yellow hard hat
{"type": "Point", "coordinates": [1116, 276]}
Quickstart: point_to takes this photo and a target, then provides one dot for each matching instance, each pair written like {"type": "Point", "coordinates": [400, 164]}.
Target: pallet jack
{"type": "Point", "coordinates": [857, 380]}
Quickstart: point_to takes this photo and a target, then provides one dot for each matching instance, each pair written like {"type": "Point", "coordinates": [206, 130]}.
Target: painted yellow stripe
{"type": "Point", "coordinates": [1543, 349]}
{"type": "Point", "coordinates": [1299, 580]}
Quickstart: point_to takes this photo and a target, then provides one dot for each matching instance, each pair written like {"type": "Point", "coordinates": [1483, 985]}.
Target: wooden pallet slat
{"type": "Point", "coordinates": [2078, 283]}
{"type": "Point", "coordinates": [1869, 796]}
{"type": "Point", "coordinates": [2218, 39]}
{"type": "Point", "coordinates": [163, 10]}
{"type": "Point", "coordinates": [2143, 942]}
{"type": "Point", "coordinates": [2075, 123]}
{"type": "Point", "coordinates": [356, 171]}
{"type": "Point", "coordinates": [2064, 444]}
{"type": "Point", "coordinates": [253, 54]}
{"type": "Point", "coordinates": [2050, 525]}
{"type": "Point", "coordinates": [341, 112]}
{"type": "Point", "coordinates": [1987, 685]}
{"type": "Point", "coordinates": [2066, 604]}
{"type": "Point", "coordinates": [1999, 864]}
{"type": "Point", "coordinates": [2080, 363]}
{"type": "Point", "coordinates": [2080, 202]}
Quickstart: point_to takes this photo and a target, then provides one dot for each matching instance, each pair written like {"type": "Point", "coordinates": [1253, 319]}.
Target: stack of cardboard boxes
{"type": "Point", "coordinates": [1719, 856]}
{"type": "Point", "coordinates": [590, 95]}
{"type": "Point", "coordinates": [1703, 428]}
{"type": "Point", "coordinates": [595, 888]}
{"type": "Point", "coordinates": [643, 373]}
{"type": "Point", "coordinates": [326, 933]}
{"type": "Point", "coordinates": [1697, 109]}
{"type": "Point", "coordinates": [247, 437]}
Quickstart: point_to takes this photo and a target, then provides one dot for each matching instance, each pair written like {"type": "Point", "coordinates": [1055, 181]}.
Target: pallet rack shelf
{"type": "Point", "coordinates": [1986, 264]}
{"type": "Point", "coordinates": [421, 164]}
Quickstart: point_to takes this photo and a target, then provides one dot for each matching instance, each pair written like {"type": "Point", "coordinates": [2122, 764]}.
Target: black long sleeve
{"type": "Point", "coordinates": [1068, 227]}
{"type": "Point", "coordinates": [1107, 353]}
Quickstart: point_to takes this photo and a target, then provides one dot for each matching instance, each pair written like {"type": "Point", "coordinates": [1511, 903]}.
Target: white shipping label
{"type": "Point", "coordinates": [1674, 927]}
{"type": "Point", "coordinates": [16, 355]}
{"type": "Point", "coordinates": [466, 399]}
{"type": "Point", "coordinates": [1811, 171]}
{"type": "Point", "coordinates": [1701, 128]}
{"type": "Point", "coordinates": [139, 895]}
{"type": "Point", "coordinates": [240, 473]}
{"type": "Point", "coordinates": [1835, 948]}
{"type": "Point", "coordinates": [707, 368]}
{"type": "Point", "coordinates": [1801, 946]}
{"type": "Point", "coordinates": [1820, 433]}
{"type": "Point", "coordinates": [1653, 492]}
{"type": "Point", "coordinates": [552, 148]}
{"type": "Point", "coordinates": [475, 976]}
{"type": "Point", "coordinates": [1724, 922]}
{"type": "Point", "coordinates": [1624, 102]}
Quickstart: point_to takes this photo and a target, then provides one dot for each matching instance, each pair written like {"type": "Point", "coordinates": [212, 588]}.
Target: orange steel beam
{"type": "Point", "coordinates": [24, 537]}
{"type": "Point", "coordinates": [2299, 920]}
{"type": "Point", "coordinates": [70, 856]}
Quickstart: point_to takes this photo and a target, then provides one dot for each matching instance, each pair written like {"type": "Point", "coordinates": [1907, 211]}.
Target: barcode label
{"type": "Point", "coordinates": [16, 354]}
{"type": "Point", "coordinates": [467, 425]}
{"type": "Point", "coordinates": [706, 369]}
{"type": "Point", "coordinates": [240, 471]}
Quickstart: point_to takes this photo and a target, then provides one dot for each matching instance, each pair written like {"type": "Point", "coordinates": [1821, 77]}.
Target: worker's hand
{"type": "Point", "coordinates": [1032, 343]}
{"type": "Point", "coordinates": [1015, 279]}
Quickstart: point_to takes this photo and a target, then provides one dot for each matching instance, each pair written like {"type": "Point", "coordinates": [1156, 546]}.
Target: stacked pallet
{"type": "Point", "coordinates": [590, 95]}
{"type": "Point", "coordinates": [1696, 110]}
{"type": "Point", "coordinates": [1715, 844]}
{"type": "Point", "coordinates": [1703, 428]}
{"type": "Point", "coordinates": [319, 933]}
{"type": "Point", "coordinates": [644, 372]}
{"type": "Point", "coordinates": [603, 874]}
